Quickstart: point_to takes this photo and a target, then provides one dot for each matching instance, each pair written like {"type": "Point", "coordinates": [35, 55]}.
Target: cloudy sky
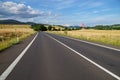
{"type": "Point", "coordinates": [63, 12]}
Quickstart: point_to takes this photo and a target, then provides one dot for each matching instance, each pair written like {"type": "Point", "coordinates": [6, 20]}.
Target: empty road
{"type": "Point", "coordinates": [52, 57]}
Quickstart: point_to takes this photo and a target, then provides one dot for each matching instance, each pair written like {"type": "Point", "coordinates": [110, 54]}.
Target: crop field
{"type": "Point", "coordinates": [12, 34]}
{"type": "Point", "coordinates": [111, 37]}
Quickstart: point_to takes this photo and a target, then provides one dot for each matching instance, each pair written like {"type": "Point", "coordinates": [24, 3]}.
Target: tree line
{"type": "Point", "coordinates": [107, 27]}
{"type": "Point", "coordinates": [39, 27]}
{"type": "Point", "coordinates": [42, 27]}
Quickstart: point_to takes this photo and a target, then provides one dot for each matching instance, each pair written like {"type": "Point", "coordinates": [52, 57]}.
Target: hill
{"type": "Point", "coordinates": [10, 21]}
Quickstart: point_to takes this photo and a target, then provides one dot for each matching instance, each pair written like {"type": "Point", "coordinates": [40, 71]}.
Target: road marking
{"type": "Point", "coordinates": [92, 43]}
{"type": "Point", "coordinates": [14, 63]}
{"type": "Point", "coordinates": [102, 68]}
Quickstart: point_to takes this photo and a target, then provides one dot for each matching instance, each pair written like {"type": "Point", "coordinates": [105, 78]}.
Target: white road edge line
{"type": "Point", "coordinates": [102, 68]}
{"type": "Point", "coordinates": [14, 63]}
{"type": "Point", "coordinates": [92, 43]}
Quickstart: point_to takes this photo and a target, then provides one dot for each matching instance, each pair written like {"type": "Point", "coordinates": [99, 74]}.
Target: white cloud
{"type": "Point", "coordinates": [96, 4]}
{"type": "Point", "coordinates": [67, 25]}
{"type": "Point", "coordinates": [12, 9]}
{"type": "Point", "coordinates": [104, 19]}
{"type": "Point", "coordinates": [57, 0]}
{"type": "Point", "coordinates": [65, 4]}
{"type": "Point", "coordinates": [90, 4]}
{"type": "Point", "coordinates": [93, 20]}
{"type": "Point", "coordinates": [101, 10]}
{"type": "Point", "coordinates": [30, 20]}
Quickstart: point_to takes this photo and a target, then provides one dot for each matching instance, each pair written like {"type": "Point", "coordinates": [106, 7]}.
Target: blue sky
{"type": "Point", "coordinates": [63, 12]}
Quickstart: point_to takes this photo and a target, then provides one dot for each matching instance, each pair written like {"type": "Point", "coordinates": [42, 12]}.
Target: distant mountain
{"type": "Point", "coordinates": [10, 21]}
{"type": "Point", "coordinates": [74, 26]}
{"type": "Point", "coordinates": [30, 23]}
{"type": "Point", "coordinates": [116, 25]}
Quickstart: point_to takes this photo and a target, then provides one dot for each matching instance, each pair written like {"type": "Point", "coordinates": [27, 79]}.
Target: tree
{"type": "Point", "coordinates": [53, 28]}
{"type": "Point", "coordinates": [99, 27]}
{"type": "Point", "coordinates": [39, 27]}
{"type": "Point", "coordinates": [43, 28]}
{"type": "Point", "coordinates": [49, 27]}
{"type": "Point", "coordinates": [58, 29]}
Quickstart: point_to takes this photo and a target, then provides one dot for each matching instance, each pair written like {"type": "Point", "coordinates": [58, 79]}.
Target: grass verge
{"type": "Point", "coordinates": [11, 34]}
{"type": "Point", "coordinates": [109, 37]}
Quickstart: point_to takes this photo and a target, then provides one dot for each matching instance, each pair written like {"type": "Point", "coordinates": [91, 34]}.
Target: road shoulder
{"type": "Point", "coordinates": [9, 55]}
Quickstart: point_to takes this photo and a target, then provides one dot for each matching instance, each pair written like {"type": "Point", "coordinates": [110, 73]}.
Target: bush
{"type": "Point", "coordinates": [49, 27]}
{"type": "Point", "coordinates": [39, 27]}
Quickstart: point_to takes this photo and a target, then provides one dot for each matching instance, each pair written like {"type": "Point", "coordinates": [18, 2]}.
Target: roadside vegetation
{"type": "Point", "coordinates": [105, 34]}
{"type": "Point", "coordinates": [111, 37]}
{"type": "Point", "coordinates": [46, 27]}
{"type": "Point", "coordinates": [13, 34]}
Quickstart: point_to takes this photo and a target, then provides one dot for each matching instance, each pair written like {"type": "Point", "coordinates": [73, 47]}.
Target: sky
{"type": "Point", "coordinates": [62, 12]}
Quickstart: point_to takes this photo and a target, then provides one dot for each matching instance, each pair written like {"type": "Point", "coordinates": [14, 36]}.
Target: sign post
{"type": "Point", "coordinates": [83, 26]}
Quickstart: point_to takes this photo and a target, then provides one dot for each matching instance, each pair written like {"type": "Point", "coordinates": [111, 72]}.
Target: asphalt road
{"type": "Point", "coordinates": [48, 59]}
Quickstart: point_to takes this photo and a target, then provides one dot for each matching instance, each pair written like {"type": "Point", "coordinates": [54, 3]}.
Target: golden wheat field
{"type": "Point", "coordinates": [12, 34]}
{"type": "Point", "coordinates": [111, 37]}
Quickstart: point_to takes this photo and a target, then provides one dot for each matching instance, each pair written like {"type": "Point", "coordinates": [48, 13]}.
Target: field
{"type": "Point", "coordinates": [12, 34]}
{"type": "Point", "coordinates": [111, 37]}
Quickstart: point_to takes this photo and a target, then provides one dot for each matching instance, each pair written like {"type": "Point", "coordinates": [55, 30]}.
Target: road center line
{"type": "Point", "coordinates": [14, 63]}
{"type": "Point", "coordinates": [102, 68]}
